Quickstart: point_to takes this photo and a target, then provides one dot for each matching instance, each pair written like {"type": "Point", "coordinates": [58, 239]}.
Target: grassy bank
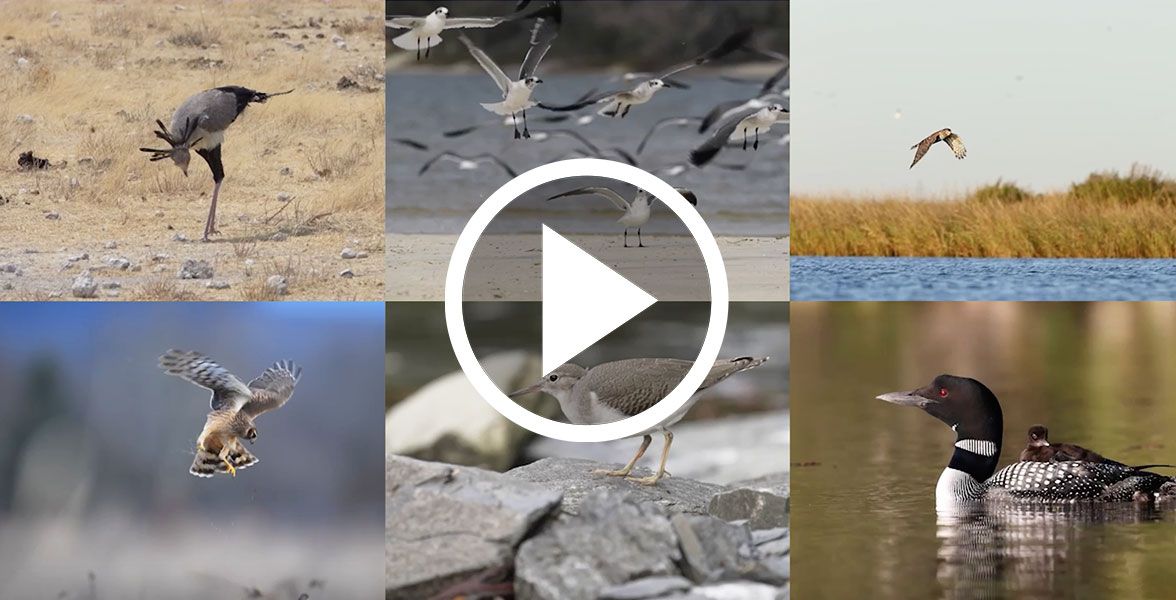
{"type": "Point", "coordinates": [1105, 216]}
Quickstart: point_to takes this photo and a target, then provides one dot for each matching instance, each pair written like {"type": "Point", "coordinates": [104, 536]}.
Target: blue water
{"type": "Point", "coordinates": [885, 278]}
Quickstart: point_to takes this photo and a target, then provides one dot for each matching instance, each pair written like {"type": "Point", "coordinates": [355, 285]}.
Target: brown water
{"type": "Point", "coordinates": [864, 523]}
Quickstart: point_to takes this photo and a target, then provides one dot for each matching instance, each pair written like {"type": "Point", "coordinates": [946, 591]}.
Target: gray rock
{"type": "Point", "coordinates": [77, 257]}
{"type": "Point", "coordinates": [159, 213]}
{"type": "Point", "coordinates": [446, 524]}
{"type": "Point", "coordinates": [742, 590]}
{"type": "Point", "coordinates": [614, 539]}
{"type": "Point", "coordinates": [161, 257]}
{"type": "Point", "coordinates": [112, 285]}
{"type": "Point", "coordinates": [52, 216]}
{"type": "Point", "coordinates": [287, 171]}
{"type": "Point", "coordinates": [67, 266]}
{"type": "Point", "coordinates": [179, 237]}
{"type": "Point", "coordinates": [194, 269]}
{"type": "Point", "coordinates": [649, 587]}
{"type": "Point", "coordinates": [24, 119]}
{"type": "Point", "coordinates": [713, 550]}
{"type": "Point", "coordinates": [284, 197]}
{"type": "Point", "coordinates": [761, 510]}
{"type": "Point", "coordinates": [420, 426]}
{"type": "Point", "coordinates": [6, 286]}
{"type": "Point", "coordinates": [280, 236]}
{"type": "Point", "coordinates": [8, 267]}
{"type": "Point", "coordinates": [361, 254]}
{"type": "Point", "coordinates": [217, 285]}
{"type": "Point", "coordinates": [30, 250]}
{"type": "Point", "coordinates": [346, 274]}
{"type": "Point", "coordinates": [158, 268]}
{"type": "Point", "coordinates": [119, 263]}
{"type": "Point", "coordinates": [575, 478]}
{"type": "Point", "coordinates": [773, 483]}
{"type": "Point", "coordinates": [111, 245]}
{"type": "Point", "coordinates": [277, 284]}
{"type": "Point", "coordinates": [84, 287]}
{"type": "Point", "coordinates": [347, 253]}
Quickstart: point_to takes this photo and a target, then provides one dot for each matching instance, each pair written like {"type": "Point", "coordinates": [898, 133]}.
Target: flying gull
{"type": "Point", "coordinates": [943, 135]}
{"type": "Point", "coordinates": [423, 31]}
{"type": "Point", "coordinates": [636, 212]}
{"type": "Point", "coordinates": [467, 163]}
{"type": "Point", "coordinates": [663, 123]}
{"type": "Point", "coordinates": [749, 120]}
{"type": "Point", "coordinates": [516, 95]}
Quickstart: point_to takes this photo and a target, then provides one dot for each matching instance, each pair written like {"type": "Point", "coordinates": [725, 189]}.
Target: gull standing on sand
{"type": "Point", "coordinates": [516, 95]}
{"type": "Point", "coordinates": [422, 31]}
{"type": "Point", "coordinates": [199, 124]}
{"type": "Point", "coordinates": [636, 212]}
{"type": "Point", "coordinates": [618, 102]}
{"type": "Point", "coordinates": [943, 135]}
{"type": "Point", "coordinates": [749, 120]}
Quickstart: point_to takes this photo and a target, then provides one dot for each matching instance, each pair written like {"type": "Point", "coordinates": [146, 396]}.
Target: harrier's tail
{"type": "Point", "coordinates": [207, 464]}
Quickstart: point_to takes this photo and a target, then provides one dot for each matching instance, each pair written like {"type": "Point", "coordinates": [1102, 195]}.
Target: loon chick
{"type": "Point", "coordinates": [972, 410]}
{"type": "Point", "coordinates": [1040, 450]}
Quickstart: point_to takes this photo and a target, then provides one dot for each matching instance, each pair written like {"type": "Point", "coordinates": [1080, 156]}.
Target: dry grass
{"type": "Point", "coordinates": [1106, 216]}
{"type": "Point", "coordinates": [94, 76]}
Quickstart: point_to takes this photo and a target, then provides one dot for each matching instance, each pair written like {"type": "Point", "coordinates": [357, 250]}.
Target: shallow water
{"type": "Point", "coordinates": [887, 278]}
{"type": "Point", "coordinates": [421, 106]}
{"type": "Point", "coordinates": [863, 480]}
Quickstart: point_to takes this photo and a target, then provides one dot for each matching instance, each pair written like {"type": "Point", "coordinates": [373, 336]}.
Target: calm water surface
{"type": "Point", "coordinates": [863, 481]}
{"type": "Point", "coordinates": [886, 278]}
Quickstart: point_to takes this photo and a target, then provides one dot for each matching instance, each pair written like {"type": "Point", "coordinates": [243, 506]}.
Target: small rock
{"type": "Point", "coordinates": [346, 273]}
{"type": "Point", "coordinates": [119, 263]}
{"type": "Point", "coordinates": [648, 587]}
{"type": "Point", "coordinates": [195, 269]}
{"type": "Point", "coordinates": [159, 213]}
{"type": "Point", "coordinates": [8, 267]}
{"type": "Point", "coordinates": [24, 119]}
{"type": "Point", "coordinates": [112, 285]}
{"type": "Point", "coordinates": [54, 294]}
{"type": "Point", "coordinates": [279, 237]}
{"type": "Point", "coordinates": [217, 285]}
{"type": "Point", "coordinates": [136, 268]}
{"type": "Point", "coordinates": [67, 266]}
{"type": "Point", "coordinates": [158, 269]}
{"type": "Point", "coordinates": [73, 182]}
{"type": "Point", "coordinates": [7, 286]}
{"type": "Point", "coordinates": [30, 250]}
{"type": "Point", "coordinates": [22, 61]}
{"type": "Point", "coordinates": [111, 245]}
{"type": "Point", "coordinates": [277, 284]}
{"type": "Point", "coordinates": [361, 254]}
{"type": "Point", "coordinates": [96, 268]}
{"type": "Point", "coordinates": [160, 257]}
{"type": "Point", "coordinates": [713, 550]}
{"type": "Point", "coordinates": [52, 216]}
{"type": "Point", "coordinates": [112, 293]}
{"type": "Point", "coordinates": [21, 192]}
{"type": "Point", "coordinates": [296, 46]}
{"type": "Point", "coordinates": [248, 262]}
{"type": "Point", "coordinates": [347, 253]}
{"type": "Point", "coordinates": [284, 197]}
{"type": "Point", "coordinates": [761, 510]}
{"type": "Point", "coordinates": [84, 287]}
{"type": "Point", "coordinates": [179, 237]}
{"type": "Point", "coordinates": [287, 171]}
{"type": "Point", "coordinates": [54, 16]}
{"type": "Point", "coordinates": [77, 257]}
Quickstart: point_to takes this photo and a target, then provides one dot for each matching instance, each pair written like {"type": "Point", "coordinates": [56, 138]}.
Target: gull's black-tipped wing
{"type": "Point", "coordinates": [546, 28]}
{"type": "Point", "coordinates": [730, 44]}
{"type": "Point", "coordinates": [662, 124]}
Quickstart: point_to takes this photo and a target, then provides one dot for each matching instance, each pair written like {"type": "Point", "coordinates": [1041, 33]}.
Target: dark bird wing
{"type": "Point", "coordinates": [705, 152]}
{"type": "Point", "coordinates": [663, 123]}
{"type": "Point", "coordinates": [568, 133]}
{"type": "Point", "coordinates": [625, 156]}
{"type": "Point", "coordinates": [429, 163]}
{"type": "Point", "coordinates": [272, 388]}
{"type": "Point", "coordinates": [586, 100]}
{"type": "Point", "coordinates": [777, 83]}
{"type": "Point", "coordinates": [922, 147]}
{"type": "Point", "coordinates": [730, 44]}
{"type": "Point", "coordinates": [410, 143]}
{"type": "Point", "coordinates": [546, 28]}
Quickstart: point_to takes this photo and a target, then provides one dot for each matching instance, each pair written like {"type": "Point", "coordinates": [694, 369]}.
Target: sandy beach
{"type": "Point", "coordinates": [757, 267]}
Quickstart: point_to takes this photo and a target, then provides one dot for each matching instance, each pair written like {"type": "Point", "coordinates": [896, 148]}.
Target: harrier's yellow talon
{"type": "Point", "coordinates": [232, 469]}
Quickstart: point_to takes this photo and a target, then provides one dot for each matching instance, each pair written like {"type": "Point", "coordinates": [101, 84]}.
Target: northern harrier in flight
{"type": "Point", "coordinates": [943, 135]}
{"type": "Point", "coordinates": [234, 407]}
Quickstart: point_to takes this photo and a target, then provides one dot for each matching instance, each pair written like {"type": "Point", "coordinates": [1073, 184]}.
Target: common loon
{"type": "Point", "coordinates": [972, 410]}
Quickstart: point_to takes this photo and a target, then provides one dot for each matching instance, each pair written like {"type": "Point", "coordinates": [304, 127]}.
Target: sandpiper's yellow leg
{"type": "Point", "coordinates": [629, 467]}
{"type": "Point", "coordinates": [661, 470]}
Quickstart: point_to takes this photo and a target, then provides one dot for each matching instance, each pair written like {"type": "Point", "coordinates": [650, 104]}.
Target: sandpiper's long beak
{"type": "Point", "coordinates": [908, 398]}
{"type": "Point", "coordinates": [527, 390]}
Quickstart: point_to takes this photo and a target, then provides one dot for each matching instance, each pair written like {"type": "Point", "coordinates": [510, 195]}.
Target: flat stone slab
{"type": "Point", "coordinates": [575, 479]}
{"type": "Point", "coordinates": [446, 524]}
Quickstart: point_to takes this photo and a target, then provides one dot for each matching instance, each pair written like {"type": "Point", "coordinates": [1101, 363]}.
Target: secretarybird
{"type": "Point", "coordinates": [199, 124]}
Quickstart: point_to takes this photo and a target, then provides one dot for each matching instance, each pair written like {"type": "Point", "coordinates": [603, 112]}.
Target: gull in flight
{"type": "Point", "coordinates": [423, 31]}
{"type": "Point", "coordinates": [467, 163]}
{"type": "Point", "coordinates": [636, 212]}
{"type": "Point", "coordinates": [943, 135]}
{"type": "Point", "coordinates": [618, 102]}
{"type": "Point", "coordinates": [750, 119]}
{"type": "Point", "coordinates": [516, 95]}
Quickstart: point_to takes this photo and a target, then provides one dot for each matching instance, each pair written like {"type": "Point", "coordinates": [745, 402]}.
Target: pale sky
{"type": "Point", "coordinates": [1042, 93]}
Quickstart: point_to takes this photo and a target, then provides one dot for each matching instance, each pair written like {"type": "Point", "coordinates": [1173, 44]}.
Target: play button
{"type": "Point", "coordinates": [583, 300]}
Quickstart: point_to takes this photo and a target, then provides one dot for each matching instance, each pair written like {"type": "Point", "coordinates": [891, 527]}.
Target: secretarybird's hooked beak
{"type": "Point", "coordinates": [179, 146]}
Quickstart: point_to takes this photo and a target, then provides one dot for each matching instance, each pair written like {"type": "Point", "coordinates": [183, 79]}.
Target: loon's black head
{"type": "Point", "coordinates": [1038, 436]}
{"type": "Point", "coordinates": [966, 405]}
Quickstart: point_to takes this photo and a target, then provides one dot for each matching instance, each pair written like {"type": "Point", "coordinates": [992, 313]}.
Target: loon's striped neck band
{"type": "Point", "coordinates": [976, 458]}
{"type": "Point", "coordinates": [981, 447]}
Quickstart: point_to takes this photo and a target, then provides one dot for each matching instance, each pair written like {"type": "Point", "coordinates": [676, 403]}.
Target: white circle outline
{"type": "Point", "coordinates": [455, 280]}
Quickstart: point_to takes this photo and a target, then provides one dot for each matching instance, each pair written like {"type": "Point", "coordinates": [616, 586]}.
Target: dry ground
{"type": "Point", "coordinates": [82, 84]}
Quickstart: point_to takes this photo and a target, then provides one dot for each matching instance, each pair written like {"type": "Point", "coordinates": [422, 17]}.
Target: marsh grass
{"type": "Point", "coordinates": [1106, 216]}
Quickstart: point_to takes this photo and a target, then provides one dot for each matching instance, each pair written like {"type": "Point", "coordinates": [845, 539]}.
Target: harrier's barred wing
{"type": "Point", "coordinates": [228, 392]}
{"type": "Point", "coordinates": [272, 388]}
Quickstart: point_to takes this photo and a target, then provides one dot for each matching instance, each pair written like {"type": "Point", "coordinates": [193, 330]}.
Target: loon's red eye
{"type": "Point", "coordinates": [942, 392]}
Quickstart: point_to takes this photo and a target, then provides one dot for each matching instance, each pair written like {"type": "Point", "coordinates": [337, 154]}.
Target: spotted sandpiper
{"type": "Point", "coordinates": [617, 390]}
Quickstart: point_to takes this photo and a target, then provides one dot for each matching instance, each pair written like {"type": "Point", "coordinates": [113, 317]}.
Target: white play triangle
{"type": "Point", "coordinates": [583, 300]}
